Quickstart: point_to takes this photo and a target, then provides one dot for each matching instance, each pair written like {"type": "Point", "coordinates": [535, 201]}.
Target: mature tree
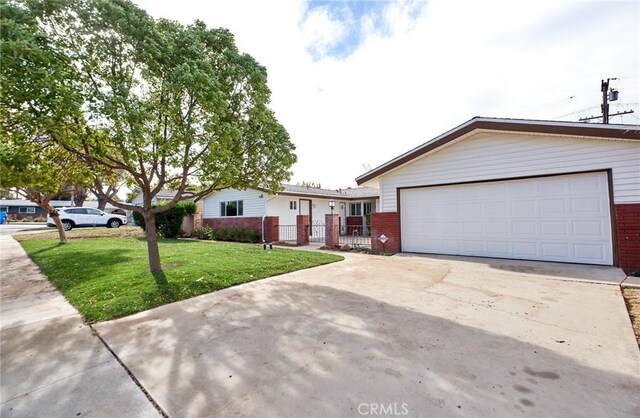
{"type": "Point", "coordinates": [37, 102]}
{"type": "Point", "coordinates": [39, 171]}
{"type": "Point", "coordinates": [168, 105]}
{"type": "Point", "coordinates": [110, 190]}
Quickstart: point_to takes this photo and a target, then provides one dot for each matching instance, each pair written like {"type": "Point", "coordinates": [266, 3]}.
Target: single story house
{"type": "Point", "coordinates": [521, 189]}
{"type": "Point", "coordinates": [161, 197]}
{"type": "Point", "coordinates": [21, 208]}
{"type": "Point", "coordinates": [246, 208]}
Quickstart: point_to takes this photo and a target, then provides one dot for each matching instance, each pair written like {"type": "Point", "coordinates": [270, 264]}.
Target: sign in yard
{"type": "Point", "coordinates": [383, 238]}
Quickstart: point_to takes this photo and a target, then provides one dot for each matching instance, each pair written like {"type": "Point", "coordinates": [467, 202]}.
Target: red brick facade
{"type": "Point", "coordinates": [271, 229]}
{"type": "Point", "coordinates": [628, 231]}
{"type": "Point", "coordinates": [354, 225]}
{"type": "Point", "coordinates": [254, 223]}
{"type": "Point", "coordinates": [302, 229]}
{"type": "Point", "coordinates": [331, 229]}
{"type": "Point", "coordinates": [388, 224]}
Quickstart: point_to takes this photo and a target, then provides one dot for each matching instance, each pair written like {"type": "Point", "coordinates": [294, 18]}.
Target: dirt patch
{"type": "Point", "coordinates": [78, 233]}
{"type": "Point", "coordinates": [632, 299]}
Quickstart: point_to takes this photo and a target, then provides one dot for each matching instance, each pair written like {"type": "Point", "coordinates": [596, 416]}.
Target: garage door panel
{"type": "Point", "coordinates": [559, 218]}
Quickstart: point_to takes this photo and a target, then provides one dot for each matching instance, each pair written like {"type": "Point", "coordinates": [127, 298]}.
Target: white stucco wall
{"type": "Point", "coordinates": [492, 155]}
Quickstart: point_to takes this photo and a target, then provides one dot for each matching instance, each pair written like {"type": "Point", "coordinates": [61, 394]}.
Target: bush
{"type": "Point", "coordinates": [227, 234]}
{"type": "Point", "coordinates": [169, 222]}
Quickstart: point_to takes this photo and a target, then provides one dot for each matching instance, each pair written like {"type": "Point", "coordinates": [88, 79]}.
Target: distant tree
{"type": "Point", "coordinates": [7, 193]}
{"type": "Point", "coordinates": [167, 105]}
{"type": "Point", "coordinates": [109, 190]}
{"type": "Point", "coordinates": [310, 184]}
{"type": "Point", "coordinates": [78, 195]}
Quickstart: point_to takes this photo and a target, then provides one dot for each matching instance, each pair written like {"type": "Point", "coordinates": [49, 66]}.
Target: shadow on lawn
{"type": "Point", "coordinates": [285, 348]}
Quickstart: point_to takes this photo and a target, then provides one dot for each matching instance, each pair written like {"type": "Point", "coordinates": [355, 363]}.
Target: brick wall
{"type": "Point", "coordinates": [254, 223]}
{"type": "Point", "coordinates": [331, 229]}
{"type": "Point", "coordinates": [302, 229]}
{"type": "Point", "coordinates": [628, 231]}
{"type": "Point", "coordinates": [354, 225]}
{"type": "Point", "coordinates": [271, 229]}
{"type": "Point", "coordinates": [387, 223]}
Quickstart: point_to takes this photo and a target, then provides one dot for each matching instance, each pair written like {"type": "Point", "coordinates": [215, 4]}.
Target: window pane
{"type": "Point", "coordinates": [367, 208]}
{"type": "Point", "coordinates": [223, 212]}
{"type": "Point", "coordinates": [232, 209]}
{"type": "Point", "coordinates": [94, 212]}
{"type": "Point", "coordinates": [240, 208]}
{"type": "Point", "coordinates": [31, 210]}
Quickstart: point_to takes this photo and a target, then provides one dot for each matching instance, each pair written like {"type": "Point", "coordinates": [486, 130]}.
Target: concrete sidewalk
{"type": "Point", "coordinates": [51, 364]}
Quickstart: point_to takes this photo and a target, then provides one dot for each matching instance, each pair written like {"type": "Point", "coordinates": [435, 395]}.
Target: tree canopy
{"type": "Point", "coordinates": [170, 106]}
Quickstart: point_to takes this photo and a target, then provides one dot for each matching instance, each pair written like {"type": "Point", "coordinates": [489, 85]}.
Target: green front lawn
{"type": "Point", "coordinates": [106, 278]}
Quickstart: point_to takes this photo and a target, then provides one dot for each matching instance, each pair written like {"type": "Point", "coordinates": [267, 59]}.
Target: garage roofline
{"type": "Point", "coordinates": [607, 131]}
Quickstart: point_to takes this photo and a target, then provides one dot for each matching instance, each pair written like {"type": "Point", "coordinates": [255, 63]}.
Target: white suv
{"type": "Point", "coordinates": [78, 217]}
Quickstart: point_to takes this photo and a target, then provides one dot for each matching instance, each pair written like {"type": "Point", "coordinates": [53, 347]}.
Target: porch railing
{"type": "Point", "coordinates": [356, 236]}
{"type": "Point", "coordinates": [288, 233]}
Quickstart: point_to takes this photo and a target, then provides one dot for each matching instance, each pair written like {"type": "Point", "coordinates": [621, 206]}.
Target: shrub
{"type": "Point", "coordinates": [227, 234]}
{"type": "Point", "coordinates": [169, 222]}
{"type": "Point", "coordinates": [189, 207]}
{"type": "Point", "coordinates": [202, 233]}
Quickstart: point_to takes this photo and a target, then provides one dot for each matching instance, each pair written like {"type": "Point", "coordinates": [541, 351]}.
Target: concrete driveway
{"type": "Point", "coordinates": [404, 335]}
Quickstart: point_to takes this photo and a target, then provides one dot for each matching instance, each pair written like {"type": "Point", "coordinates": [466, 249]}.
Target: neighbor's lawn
{"type": "Point", "coordinates": [107, 278]}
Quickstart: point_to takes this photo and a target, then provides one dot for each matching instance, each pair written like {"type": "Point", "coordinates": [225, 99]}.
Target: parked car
{"type": "Point", "coordinates": [79, 217]}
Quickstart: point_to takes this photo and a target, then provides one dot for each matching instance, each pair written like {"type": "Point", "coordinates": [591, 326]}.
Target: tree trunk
{"type": "Point", "coordinates": [152, 243]}
{"type": "Point", "coordinates": [61, 232]}
{"type": "Point", "coordinates": [102, 203]}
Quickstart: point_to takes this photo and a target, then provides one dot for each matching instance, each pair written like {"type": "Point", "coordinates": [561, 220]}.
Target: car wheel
{"type": "Point", "coordinates": [67, 225]}
{"type": "Point", "coordinates": [114, 223]}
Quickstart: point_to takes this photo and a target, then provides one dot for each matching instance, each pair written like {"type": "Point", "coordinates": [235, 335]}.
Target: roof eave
{"type": "Point", "coordinates": [505, 125]}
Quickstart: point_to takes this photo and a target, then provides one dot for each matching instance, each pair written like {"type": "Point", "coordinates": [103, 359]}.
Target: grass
{"type": "Point", "coordinates": [106, 278]}
{"type": "Point", "coordinates": [632, 299]}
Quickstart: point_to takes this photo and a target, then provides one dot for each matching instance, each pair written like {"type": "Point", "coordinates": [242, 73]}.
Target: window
{"type": "Point", "coordinates": [95, 212]}
{"type": "Point", "coordinates": [27, 210]}
{"type": "Point", "coordinates": [233, 208]}
{"type": "Point", "coordinates": [4, 209]}
{"type": "Point", "coordinates": [366, 208]}
{"type": "Point", "coordinates": [76, 211]}
{"type": "Point", "coordinates": [293, 205]}
{"type": "Point", "coordinates": [355, 209]}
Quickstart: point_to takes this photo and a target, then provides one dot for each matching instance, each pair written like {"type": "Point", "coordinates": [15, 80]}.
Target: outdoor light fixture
{"type": "Point", "coordinates": [332, 204]}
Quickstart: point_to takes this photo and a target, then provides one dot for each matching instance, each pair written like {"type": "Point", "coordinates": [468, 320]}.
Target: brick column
{"type": "Point", "coordinates": [271, 229]}
{"type": "Point", "coordinates": [302, 229]}
{"type": "Point", "coordinates": [331, 229]}
{"type": "Point", "coordinates": [628, 231]}
{"type": "Point", "coordinates": [388, 224]}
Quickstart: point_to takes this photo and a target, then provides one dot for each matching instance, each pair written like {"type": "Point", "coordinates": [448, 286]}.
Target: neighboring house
{"type": "Point", "coordinates": [246, 208]}
{"type": "Point", "coordinates": [21, 209]}
{"type": "Point", "coordinates": [161, 197]}
{"type": "Point", "coordinates": [522, 189]}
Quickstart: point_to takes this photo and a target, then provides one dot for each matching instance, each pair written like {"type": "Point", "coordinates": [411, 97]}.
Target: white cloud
{"type": "Point", "coordinates": [321, 32]}
{"type": "Point", "coordinates": [423, 76]}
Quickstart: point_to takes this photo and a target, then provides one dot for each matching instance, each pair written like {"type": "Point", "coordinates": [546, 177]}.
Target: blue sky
{"type": "Point", "coordinates": [357, 83]}
{"type": "Point", "coordinates": [355, 20]}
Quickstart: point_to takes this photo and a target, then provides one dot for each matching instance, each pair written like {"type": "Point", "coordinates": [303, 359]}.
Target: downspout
{"type": "Point", "coordinates": [265, 215]}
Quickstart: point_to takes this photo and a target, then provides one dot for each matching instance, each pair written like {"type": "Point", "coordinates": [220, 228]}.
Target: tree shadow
{"type": "Point", "coordinates": [164, 287]}
{"type": "Point", "coordinates": [290, 348]}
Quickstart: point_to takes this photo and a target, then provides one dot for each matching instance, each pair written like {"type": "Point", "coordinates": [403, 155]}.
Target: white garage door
{"type": "Point", "coordinates": [560, 218]}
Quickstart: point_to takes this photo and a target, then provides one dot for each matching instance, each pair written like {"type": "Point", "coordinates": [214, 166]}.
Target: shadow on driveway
{"type": "Point", "coordinates": [289, 348]}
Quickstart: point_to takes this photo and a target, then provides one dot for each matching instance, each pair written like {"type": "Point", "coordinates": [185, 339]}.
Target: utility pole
{"type": "Point", "coordinates": [604, 87]}
{"type": "Point", "coordinates": [607, 94]}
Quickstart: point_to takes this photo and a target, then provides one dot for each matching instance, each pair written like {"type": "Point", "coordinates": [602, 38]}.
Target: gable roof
{"type": "Point", "coordinates": [609, 131]}
{"type": "Point", "coordinates": [346, 194]}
